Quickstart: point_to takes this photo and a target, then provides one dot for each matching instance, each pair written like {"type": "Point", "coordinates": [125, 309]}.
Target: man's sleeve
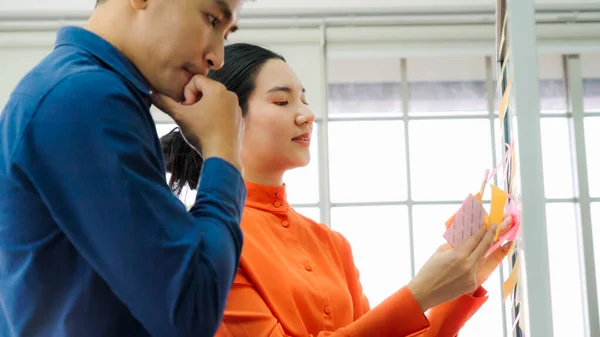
{"type": "Point", "coordinates": [91, 154]}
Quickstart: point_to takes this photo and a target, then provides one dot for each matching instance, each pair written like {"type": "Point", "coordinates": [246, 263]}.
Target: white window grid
{"type": "Point", "coordinates": [573, 94]}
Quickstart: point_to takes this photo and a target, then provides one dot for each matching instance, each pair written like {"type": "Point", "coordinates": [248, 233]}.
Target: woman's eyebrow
{"type": "Point", "coordinates": [284, 89]}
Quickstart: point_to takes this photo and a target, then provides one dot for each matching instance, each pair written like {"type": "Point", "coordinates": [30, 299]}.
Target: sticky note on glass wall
{"type": "Point", "coordinates": [469, 218]}
{"type": "Point", "coordinates": [498, 203]}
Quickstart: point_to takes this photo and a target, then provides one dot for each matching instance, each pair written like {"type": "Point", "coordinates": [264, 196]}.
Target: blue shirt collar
{"type": "Point", "coordinates": [106, 52]}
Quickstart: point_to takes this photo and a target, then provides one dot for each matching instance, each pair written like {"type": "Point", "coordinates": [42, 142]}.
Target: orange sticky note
{"type": "Point", "coordinates": [498, 203]}
{"type": "Point", "coordinates": [511, 281]}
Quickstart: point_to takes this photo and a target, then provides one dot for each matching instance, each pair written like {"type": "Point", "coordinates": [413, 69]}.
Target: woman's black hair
{"type": "Point", "coordinates": [243, 62]}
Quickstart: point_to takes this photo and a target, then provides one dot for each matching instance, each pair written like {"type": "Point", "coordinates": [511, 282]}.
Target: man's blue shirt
{"type": "Point", "coordinates": [92, 241]}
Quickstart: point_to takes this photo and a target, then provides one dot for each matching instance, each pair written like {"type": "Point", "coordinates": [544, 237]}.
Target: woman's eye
{"type": "Point", "coordinates": [282, 103]}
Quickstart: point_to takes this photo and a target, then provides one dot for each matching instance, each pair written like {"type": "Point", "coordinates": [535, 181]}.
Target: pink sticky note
{"type": "Point", "coordinates": [468, 220]}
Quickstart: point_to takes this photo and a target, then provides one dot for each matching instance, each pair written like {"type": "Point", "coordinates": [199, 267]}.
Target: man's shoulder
{"type": "Point", "coordinates": [66, 67]}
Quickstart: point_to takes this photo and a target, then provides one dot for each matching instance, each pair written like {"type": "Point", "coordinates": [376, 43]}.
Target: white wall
{"type": "Point", "coordinates": [14, 63]}
{"type": "Point", "coordinates": [20, 52]}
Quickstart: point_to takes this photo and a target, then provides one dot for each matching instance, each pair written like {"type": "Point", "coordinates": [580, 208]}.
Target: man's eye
{"type": "Point", "coordinates": [213, 21]}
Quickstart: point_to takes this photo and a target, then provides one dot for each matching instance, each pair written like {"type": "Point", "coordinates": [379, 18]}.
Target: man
{"type": "Point", "coordinates": [92, 241]}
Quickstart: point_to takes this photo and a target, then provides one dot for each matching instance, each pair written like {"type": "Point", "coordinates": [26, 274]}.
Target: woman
{"type": "Point", "coordinates": [297, 277]}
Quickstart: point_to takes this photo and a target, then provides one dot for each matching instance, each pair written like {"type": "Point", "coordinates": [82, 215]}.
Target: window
{"type": "Point", "coordinates": [488, 318]}
{"type": "Point", "coordinates": [364, 99]}
{"type": "Point", "coordinates": [592, 139]}
{"type": "Point", "coordinates": [565, 279]}
{"type": "Point", "coordinates": [448, 157]}
{"type": "Point", "coordinates": [380, 244]}
{"type": "Point", "coordinates": [163, 129]}
{"type": "Point", "coordinates": [312, 213]}
{"type": "Point", "coordinates": [364, 88]}
{"type": "Point", "coordinates": [552, 87]}
{"type": "Point", "coordinates": [367, 161]}
{"type": "Point", "coordinates": [590, 71]}
{"type": "Point", "coordinates": [595, 208]}
{"type": "Point", "coordinates": [428, 229]}
{"type": "Point", "coordinates": [448, 85]}
{"type": "Point", "coordinates": [553, 91]}
{"type": "Point", "coordinates": [302, 184]}
{"type": "Point", "coordinates": [556, 155]}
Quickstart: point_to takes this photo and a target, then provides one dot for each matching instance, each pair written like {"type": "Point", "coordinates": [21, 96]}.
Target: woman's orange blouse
{"type": "Point", "coordinates": [298, 278]}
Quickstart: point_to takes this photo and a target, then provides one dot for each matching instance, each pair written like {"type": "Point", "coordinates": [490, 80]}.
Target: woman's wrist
{"type": "Point", "coordinates": [422, 296]}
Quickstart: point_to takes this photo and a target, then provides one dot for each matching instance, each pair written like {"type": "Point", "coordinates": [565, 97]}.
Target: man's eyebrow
{"type": "Point", "coordinates": [227, 14]}
{"type": "Point", "coordinates": [225, 10]}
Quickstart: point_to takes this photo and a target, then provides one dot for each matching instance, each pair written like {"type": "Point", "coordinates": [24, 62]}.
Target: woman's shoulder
{"type": "Point", "coordinates": [338, 239]}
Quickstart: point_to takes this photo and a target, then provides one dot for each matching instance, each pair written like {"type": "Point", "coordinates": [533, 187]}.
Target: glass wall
{"type": "Point", "coordinates": [409, 138]}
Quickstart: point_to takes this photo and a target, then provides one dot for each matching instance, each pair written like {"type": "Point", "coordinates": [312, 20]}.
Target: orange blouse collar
{"type": "Point", "coordinates": [268, 198]}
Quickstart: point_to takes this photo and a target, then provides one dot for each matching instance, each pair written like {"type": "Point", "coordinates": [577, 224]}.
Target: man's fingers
{"type": "Point", "coordinates": [192, 92]}
{"type": "Point", "coordinates": [197, 87]}
{"type": "Point", "coordinates": [165, 104]}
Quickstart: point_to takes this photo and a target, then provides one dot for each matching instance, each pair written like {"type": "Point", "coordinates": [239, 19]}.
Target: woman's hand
{"type": "Point", "coordinates": [450, 273]}
{"type": "Point", "coordinates": [489, 264]}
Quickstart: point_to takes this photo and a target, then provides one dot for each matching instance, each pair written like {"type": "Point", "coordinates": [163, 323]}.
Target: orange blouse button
{"type": "Point", "coordinates": [278, 195]}
{"type": "Point", "coordinates": [328, 310]}
{"type": "Point", "coordinates": [285, 223]}
{"type": "Point", "coordinates": [308, 267]}
{"type": "Point", "coordinates": [277, 204]}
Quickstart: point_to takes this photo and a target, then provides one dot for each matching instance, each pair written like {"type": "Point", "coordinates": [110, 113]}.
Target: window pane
{"type": "Point", "coordinates": [590, 71]}
{"type": "Point", "coordinates": [310, 212]}
{"type": "Point", "coordinates": [429, 228]}
{"type": "Point", "coordinates": [591, 94]}
{"type": "Point", "coordinates": [556, 156]}
{"type": "Point", "coordinates": [367, 161]}
{"type": "Point", "coordinates": [365, 99]}
{"type": "Point", "coordinates": [163, 129]}
{"type": "Point", "coordinates": [592, 139]}
{"type": "Point", "coordinates": [447, 85]}
{"type": "Point", "coordinates": [553, 92]}
{"type": "Point", "coordinates": [302, 184]}
{"type": "Point", "coordinates": [448, 157]}
{"type": "Point", "coordinates": [595, 208]}
{"type": "Point", "coordinates": [500, 151]}
{"type": "Point", "coordinates": [565, 279]}
{"type": "Point", "coordinates": [364, 87]}
{"type": "Point", "coordinates": [380, 245]}
{"type": "Point", "coordinates": [489, 317]}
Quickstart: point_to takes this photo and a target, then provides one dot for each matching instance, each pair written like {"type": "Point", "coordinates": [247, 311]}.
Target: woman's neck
{"type": "Point", "coordinates": [263, 178]}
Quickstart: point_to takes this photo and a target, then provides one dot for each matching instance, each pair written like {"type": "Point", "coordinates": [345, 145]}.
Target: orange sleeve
{"type": "Point", "coordinates": [448, 318]}
{"type": "Point", "coordinates": [445, 320]}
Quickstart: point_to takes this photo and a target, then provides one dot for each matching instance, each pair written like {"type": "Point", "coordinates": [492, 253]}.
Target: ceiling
{"type": "Point", "coordinates": [261, 6]}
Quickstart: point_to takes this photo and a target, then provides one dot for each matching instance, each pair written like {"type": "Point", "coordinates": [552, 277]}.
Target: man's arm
{"type": "Point", "coordinates": [93, 159]}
